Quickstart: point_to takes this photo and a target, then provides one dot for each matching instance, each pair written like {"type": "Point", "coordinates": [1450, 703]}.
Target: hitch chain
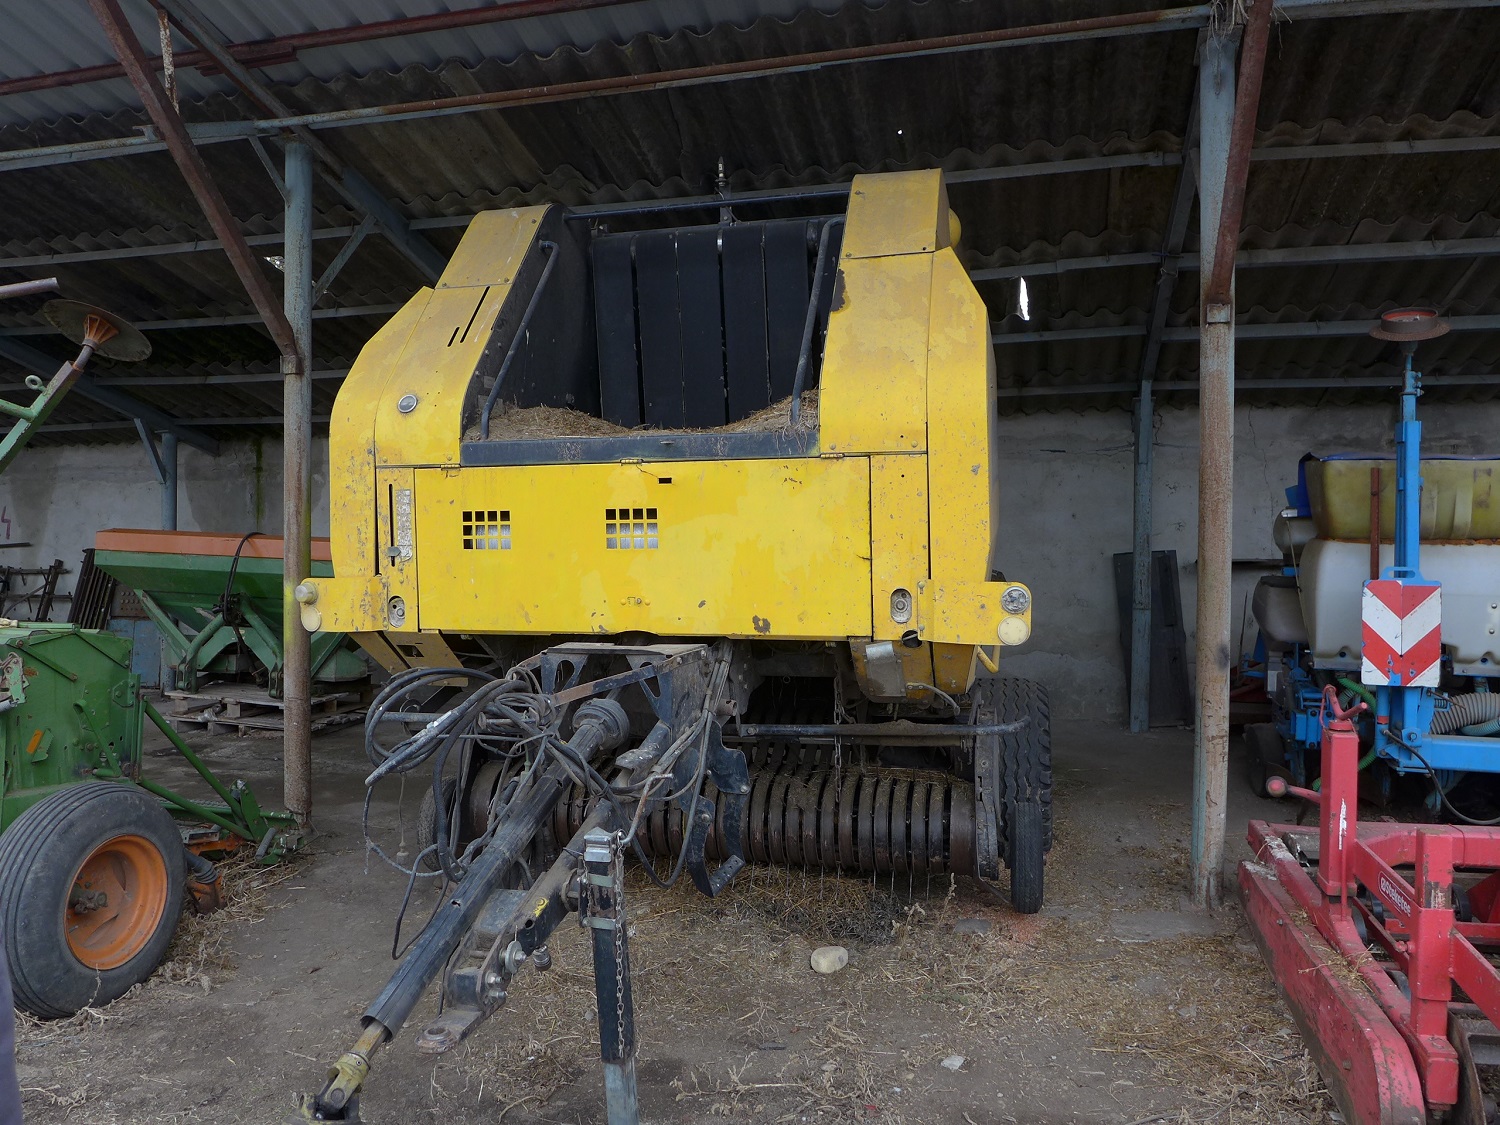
{"type": "Point", "coordinates": [616, 846]}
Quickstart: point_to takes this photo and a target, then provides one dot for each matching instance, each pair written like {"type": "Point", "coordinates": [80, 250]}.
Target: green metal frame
{"type": "Point", "coordinates": [180, 592]}
{"type": "Point", "coordinates": [28, 418]}
{"type": "Point", "coordinates": [71, 711]}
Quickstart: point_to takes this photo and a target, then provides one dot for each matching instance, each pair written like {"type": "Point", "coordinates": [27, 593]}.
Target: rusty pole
{"type": "Point", "coordinates": [296, 550]}
{"type": "Point", "coordinates": [252, 276]}
{"type": "Point", "coordinates": [1215, 488]}
{"type": "Point", "coordinates": [1227, 123]}
{"type": "Point", "coordinates": [1241, 140]}
{"type": "Point", "coordinates": [174, 135]}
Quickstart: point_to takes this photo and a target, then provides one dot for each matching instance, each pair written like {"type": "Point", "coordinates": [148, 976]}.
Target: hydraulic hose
{"type": "Point", "coordinates": [1358, 689]}
{"type": "Point", "coordinates": [201, 869]}
{"type": "Point", "coordinates": [1467, 711]}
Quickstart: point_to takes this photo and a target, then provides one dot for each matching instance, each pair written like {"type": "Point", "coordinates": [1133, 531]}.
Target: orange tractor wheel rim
{"type": "Point", "coordinates": [115, 902]}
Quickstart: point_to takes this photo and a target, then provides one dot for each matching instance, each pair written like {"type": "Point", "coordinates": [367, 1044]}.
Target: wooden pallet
{"type": "Point", "coordinates": [240, 709]}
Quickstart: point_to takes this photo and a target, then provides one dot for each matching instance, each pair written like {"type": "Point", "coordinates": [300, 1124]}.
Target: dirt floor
{"type": "Point", "coordinates": [1116, 1004]}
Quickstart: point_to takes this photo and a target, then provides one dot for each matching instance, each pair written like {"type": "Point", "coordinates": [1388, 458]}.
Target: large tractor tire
{"type": "Point", "coordinates": [91, 890]}
{"type": "Point", "coordinates": [427, 822]}
{"type": "Point", "coordinates": [1024, 790]}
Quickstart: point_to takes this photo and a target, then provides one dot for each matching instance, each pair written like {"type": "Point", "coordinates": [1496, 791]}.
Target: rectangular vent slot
{"type": "Point", "coordinates": [486, 531]}
{"type": "Point", "coordinates": [630, 529]}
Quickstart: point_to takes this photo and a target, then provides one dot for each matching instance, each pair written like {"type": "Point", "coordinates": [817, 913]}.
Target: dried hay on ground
{"type": "Point", "coordinates": [200, 951]}
{"type": "Point", "coordinates": [198, 955]}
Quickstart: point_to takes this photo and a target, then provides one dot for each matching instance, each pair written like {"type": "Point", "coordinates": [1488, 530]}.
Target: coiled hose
{"type": "Point", "coordinates": [1479, 709]}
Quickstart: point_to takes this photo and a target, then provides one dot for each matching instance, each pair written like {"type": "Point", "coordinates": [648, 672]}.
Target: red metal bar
{"type": "Point", "coordinates": [284, 48]}
{"type": "Point", "coordinates": [1430, 964]}
{"type": "Point", "coordinates": [1366, 1062]}
{"type": "Point", "coordinates": [1340, 811]}
{"type": "Point", "coordinates": [1477, 977]}
{"type": "Point", "coordinates": [1242, 136]}
{"type": "Point", "coordinates": [174, 133]}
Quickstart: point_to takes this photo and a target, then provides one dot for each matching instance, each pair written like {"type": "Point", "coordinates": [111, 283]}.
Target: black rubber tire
{"type": "Point", "coordinates": [40, 855]}
{"type": "Point", "coordinates": [427, 821]}
{"type": "Point", "coordinates": [1026, 856]}
{"type": "Point", "coordinates": [1265, 756]}
{"type": "Point", "coordinates": [1026, 756]}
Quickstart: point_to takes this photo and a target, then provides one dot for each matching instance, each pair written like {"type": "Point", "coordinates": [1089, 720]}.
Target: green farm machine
{"type": "Point", "coordinates": [96, 860]}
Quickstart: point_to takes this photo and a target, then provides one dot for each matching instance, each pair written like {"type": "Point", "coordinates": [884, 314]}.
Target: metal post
{"type": "Point", "coordinates": [1216, 104]}
{"type": "Point", "coordinates": [1140, 617]}
{"type": "Point", "coordinates": [1161, 302]}
{"type": "Point", "coordinates": [603, 908]}
{"type": "Point", "coordinates": [297, 484]}
{"type": "Point", "coordinates": [169, 482]}
{"type": "Point", "coordinates": [1408, 537]}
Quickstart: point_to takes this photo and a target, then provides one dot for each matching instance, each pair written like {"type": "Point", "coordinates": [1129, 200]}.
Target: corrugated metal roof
{"type": "Point", "coordinates": [62, 35]}
{"type": "Point", "coordinates": [1374, 78]}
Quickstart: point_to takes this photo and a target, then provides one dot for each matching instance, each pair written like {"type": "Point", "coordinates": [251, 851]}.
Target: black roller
{"type": "Point", "coordinates": [866, 821]}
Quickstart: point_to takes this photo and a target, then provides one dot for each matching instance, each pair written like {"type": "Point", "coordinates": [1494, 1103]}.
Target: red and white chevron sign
{"type": "Point", "coordinates": [1403, 626]}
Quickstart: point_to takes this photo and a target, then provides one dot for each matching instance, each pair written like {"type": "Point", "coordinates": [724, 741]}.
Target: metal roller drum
{"type": "Point", "coordinates": [865, 821]}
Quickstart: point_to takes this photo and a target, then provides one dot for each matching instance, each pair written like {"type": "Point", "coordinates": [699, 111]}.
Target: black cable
{"type": "Point", "coordinates": [226, 604]}
{"type": "Point", "coordinates": [1443, 797]}
{"type": "Point", "coordinates": [397, 952]}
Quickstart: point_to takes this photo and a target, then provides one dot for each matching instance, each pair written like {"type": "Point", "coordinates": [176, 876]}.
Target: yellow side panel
{"type": "Point", "coordinates": [436, 368]}
{"type": "Point", "coordinates": [492, 247]}
{"type": "Point", "coordinates": [421, 650]}
{"type": "Point", "coordinates": [898, 213]}
{"type": "Point", "coordinates": [429, 349]}
{"type": "Point", "coordinates": [348, 604]}
{"type": "Point", "coordinates": [961, 421]}
{"type": "Point", "coordinates": [351, 442]}
{"type": "Point", "coordinates": [898, 540]}
{"type": "Point", "coordinates": [450, 336]}
{"type": "Point", "coordinates": [955, 667]}
{"type": "Point", "coordinates": [395, 532]}
{"type": "Point", "coordinates": [873, 395]}
{"type": "Point", "coordinates": [742, 549]}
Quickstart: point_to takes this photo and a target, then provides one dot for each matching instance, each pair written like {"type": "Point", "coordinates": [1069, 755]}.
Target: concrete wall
{"type": "Point", "coordinates": [54, 498]}
{"type": "Point", "coordinates": [1066, 508]}
{"type": "Point", "coordinates": [1066, 493]}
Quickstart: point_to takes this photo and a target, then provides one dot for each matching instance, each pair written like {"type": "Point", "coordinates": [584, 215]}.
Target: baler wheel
{"type": "Point", "coordinates": [91, 889]}
{"type": "Point", "coordinates": [1023, 798]}
{"type": "Point", "coordinates": [1027, 856]}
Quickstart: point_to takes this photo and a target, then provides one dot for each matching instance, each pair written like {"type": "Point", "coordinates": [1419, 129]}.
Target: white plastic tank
{"type": "Point", "coordinates": [1331, 577]}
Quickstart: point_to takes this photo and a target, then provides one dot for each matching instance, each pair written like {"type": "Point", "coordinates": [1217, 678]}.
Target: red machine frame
{"type": "Point", "coordinates": [1392, 1055]}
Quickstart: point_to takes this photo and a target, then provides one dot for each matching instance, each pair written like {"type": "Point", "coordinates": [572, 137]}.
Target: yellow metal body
{"type": "Point", "coordinates": [883, 532]}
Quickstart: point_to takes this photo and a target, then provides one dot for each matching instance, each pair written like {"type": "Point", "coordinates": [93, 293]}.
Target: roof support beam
{"type": "Point", "coordinates": [246, 264]}
{"type": "Point", "coordinates": [1227, 110]}
{"type": "Point", "coordinates": [282, 49]}
{"type": "Point", "coordinates": [1243, 387]}
{"type": "Point", "coordinates": [219, 321]}
{"type": "Point", "coordinates": [44, 365]}
{"type": "Point", "coordinates": [1111, 26]}
{"type": "Point", "coordinates": [1252, 259]}
{"type": "Point", "coordinates": [1156, 319]}
{"type": "Point", "coordinates": [1291, 330]}
{"type": "Point", "coordinates": [89, 427]}
{"type": "Point", "coordinates": [352, 186]}
{"type": "Point", "coordinates": [218, 132]}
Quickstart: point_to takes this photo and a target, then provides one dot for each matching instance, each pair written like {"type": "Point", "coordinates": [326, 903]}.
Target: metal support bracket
{"type": "Point", "coordinates": [269, 165]}
{"type": "Point", "coordinates": [158, 468]}
{"type": "Point", "coordinates": [603, 868]}
{"type": "Point", "coordinates": [341, 259]}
